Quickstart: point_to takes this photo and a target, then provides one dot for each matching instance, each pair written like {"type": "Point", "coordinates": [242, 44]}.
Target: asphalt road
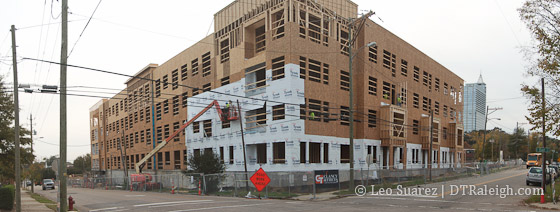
{"type": "Point", "coordinates": [442, 199]}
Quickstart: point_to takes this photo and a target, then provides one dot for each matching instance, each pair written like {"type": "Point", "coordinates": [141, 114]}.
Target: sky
{"type": "Point", "coordinates": [468, 37]}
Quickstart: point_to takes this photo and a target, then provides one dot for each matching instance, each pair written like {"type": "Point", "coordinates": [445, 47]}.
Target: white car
{"type": "Point", "coordinates": [534, 176]}
{"type": "Point", "coordinates": [48, 183]}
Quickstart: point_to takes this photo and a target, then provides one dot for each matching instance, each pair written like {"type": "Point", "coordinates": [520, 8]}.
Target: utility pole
{"type": "Point", "coordinates": [528, 141]}
{"type": "Point", "coordinates": [484, 138]}
{"type": "Point", "coordinates": [485, 124]}
{"type": "Point", "coordinates": [243, 143]}
{"type": "Point", "coordinates": [431, 142]}
{"type": "Point", "coordinates": [31, 126]}
{"type": "Point", "coordinates": [351, 107]}
{"type": "Point", "coordinates": [351, 92]}
{"type": "Point", "coordinates": [16, 124]}
{"type": "Point", "coordinates": [63, 118]}
{"type": "Point", "coordinates": [543, 136]}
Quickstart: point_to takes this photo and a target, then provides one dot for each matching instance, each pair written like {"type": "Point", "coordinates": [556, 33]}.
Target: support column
{"type": "Point", "coordinates": [405, 156]}
{"type": "Point", "coordinates": [391, 163]}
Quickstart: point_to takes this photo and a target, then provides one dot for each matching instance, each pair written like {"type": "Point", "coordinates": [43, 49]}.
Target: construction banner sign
{"type": "Point", "coordinates": [326, 178]}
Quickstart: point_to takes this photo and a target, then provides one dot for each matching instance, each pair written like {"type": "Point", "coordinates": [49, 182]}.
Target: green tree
{"type": "Point", "coordinates": [81, 165]}
{"type": "Point", "coordinates": [518, 143]}
{"type": "Point", "coordinates": [7, 137]}
{"type": "Point", "coordinates": [207, 163]}
{"type": "Point", "coordinates": [47, 173]}
{"type": "Point", "coordinates": [33, 172]}
{"type": "Point", "coordinates": [542, 18]}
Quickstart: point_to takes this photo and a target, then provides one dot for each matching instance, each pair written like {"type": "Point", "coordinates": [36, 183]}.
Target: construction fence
{"type": "Point", "coordinates": [286, 184]}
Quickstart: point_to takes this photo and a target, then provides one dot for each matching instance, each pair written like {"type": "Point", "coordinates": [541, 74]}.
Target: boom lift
{"type": "Point", "coordinates": [226, 114]}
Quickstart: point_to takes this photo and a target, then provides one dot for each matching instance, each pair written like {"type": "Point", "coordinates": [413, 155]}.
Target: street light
{"type": "Point", "coordinates": [351, 108]}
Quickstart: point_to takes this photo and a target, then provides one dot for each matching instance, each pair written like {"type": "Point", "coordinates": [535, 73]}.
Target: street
{"type": "Point", "coordinates": [103, 200]}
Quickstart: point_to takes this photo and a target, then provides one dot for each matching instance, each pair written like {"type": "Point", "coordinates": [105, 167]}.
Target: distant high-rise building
{"type": "Point", "coordinates": [474, 105]}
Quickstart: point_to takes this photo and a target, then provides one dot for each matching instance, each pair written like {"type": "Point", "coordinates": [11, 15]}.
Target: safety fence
{"type": "Point", "coordinates": [285, 184]}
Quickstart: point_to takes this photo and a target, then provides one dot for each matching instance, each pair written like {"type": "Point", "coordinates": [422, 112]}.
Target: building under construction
{"type": "Point", "coordinates": [286, 62]}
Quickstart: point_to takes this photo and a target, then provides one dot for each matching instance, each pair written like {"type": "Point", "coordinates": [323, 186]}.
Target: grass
{"type": "Point", "coordinates": [49, 203]}
{"type": "Point", "coordinates": [547, 195]}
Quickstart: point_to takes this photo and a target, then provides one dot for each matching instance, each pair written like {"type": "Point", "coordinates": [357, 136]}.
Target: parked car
{"type": "Point", "coordinates": [48, 183]}
{"type": "Point", "coordinates": [28, 183]}
{"type": "Point", "coordinates": [534, 176]}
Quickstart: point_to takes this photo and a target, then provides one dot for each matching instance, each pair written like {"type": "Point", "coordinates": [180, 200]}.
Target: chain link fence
{"type": "Point", "coordinates": [284, 184]}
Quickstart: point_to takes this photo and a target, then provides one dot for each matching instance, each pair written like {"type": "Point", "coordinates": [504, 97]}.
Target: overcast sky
{"type": "Point", "coordinates": [467, 37]}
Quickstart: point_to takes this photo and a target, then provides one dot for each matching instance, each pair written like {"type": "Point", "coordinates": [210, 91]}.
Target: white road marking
{"type": "Point", "coordinates": [219, 207]}
{"type": "Point", "coordinates": [105, 209]}
{"type": "Point", "coordinates": [187, 203]}
{"type": "Point", "coordinates": [119, 210]}
{"type": "Point", "coordinates": [166, 203]}
{"type": "Point", "coordinates": [134, 195]}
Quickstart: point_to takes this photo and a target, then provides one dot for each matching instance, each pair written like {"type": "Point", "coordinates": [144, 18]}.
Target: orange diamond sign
{"type": "Point", "coordinates": [260, 179]}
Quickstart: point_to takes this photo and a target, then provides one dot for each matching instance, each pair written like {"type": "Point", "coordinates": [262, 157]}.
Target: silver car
{"type": "Point", "coordinates": [48, 183]}
{"type": "Point", "coordinates": [534, 176]}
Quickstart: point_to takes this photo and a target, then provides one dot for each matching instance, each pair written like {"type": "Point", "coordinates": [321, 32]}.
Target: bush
{"type": "Point", "coordinates": [7, 195]}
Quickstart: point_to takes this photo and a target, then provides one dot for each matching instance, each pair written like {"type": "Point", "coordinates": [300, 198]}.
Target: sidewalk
{"type": "Point", "coordinates": [30, 204]}
{"type": "Point", "coordinates": [318, 197]}
{"type": "Point", "coordinates": [546, 206]}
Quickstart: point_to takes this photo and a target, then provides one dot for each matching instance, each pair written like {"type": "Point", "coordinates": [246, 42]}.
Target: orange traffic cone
{"type": "Point", "coordinates": [199, 191]}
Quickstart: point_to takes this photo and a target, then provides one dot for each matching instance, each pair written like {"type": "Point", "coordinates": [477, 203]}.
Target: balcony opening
{"type": "Point", "coordinates": [344, 153]}
{"type": "Point", "coordinates": [278, 25]}
{"type": "Point", "coordinates": [167, 158]}
{"type": "Point", "coordinates": [256, 119]}
{"type": "Point", "coordinates": [398, 125]}
{"type": "Point", "coordinates": [255, 79]}
{"type": "Point", "coordinates": [278, 68]}
{"type": "Point", "coordinates": [160, 160]}
{"type": "Point", "coordinates": [325, 153]}
{"type": "Point", "coordinates": [435, 132]}
{"type": "Point", "coordinates": [255, 39]}
{"type": "Point", "coordinates": [302, 149]}
{"type": "Point", "coordinates": [221, 154]}
{"type": "Point", "coordinates": [177, 159]}
{"type": "Point", "coordinates": [278, 112]}
{"type": "Point", "coordinates": [459, 137]}
{"type": "Point", "coordinates": [279, 152]}
{"type": "Point", "coordinates": [261, 153]}
{"type": "Point", "coordinates": [207, 125]}
{"type": "Point", "coordinates": [231, 155]}
{"type": "Point", "coordinates": [314, 152]}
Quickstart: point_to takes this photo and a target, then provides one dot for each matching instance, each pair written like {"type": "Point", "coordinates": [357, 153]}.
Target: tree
{"type": "Point", "coordinates": [542, 18]}
{"type": "Point", "coordinates": [82, 164]}
{"type": "Point", "coordinates": [7, 141]}
{"type": "Point", "coordinates": [518, 143]}
{"type": "Point", "coordinates": [33, 172]}
{"type": "Point", "coordinates": [207, 163]}
{"type": "Point", "coordinates": [47, 173]}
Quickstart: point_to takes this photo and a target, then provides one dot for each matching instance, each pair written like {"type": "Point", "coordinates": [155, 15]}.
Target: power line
{"type": "Point", "coordinates": [202, 105]}
{"type": "Point", "coordinates": [72, 50]}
